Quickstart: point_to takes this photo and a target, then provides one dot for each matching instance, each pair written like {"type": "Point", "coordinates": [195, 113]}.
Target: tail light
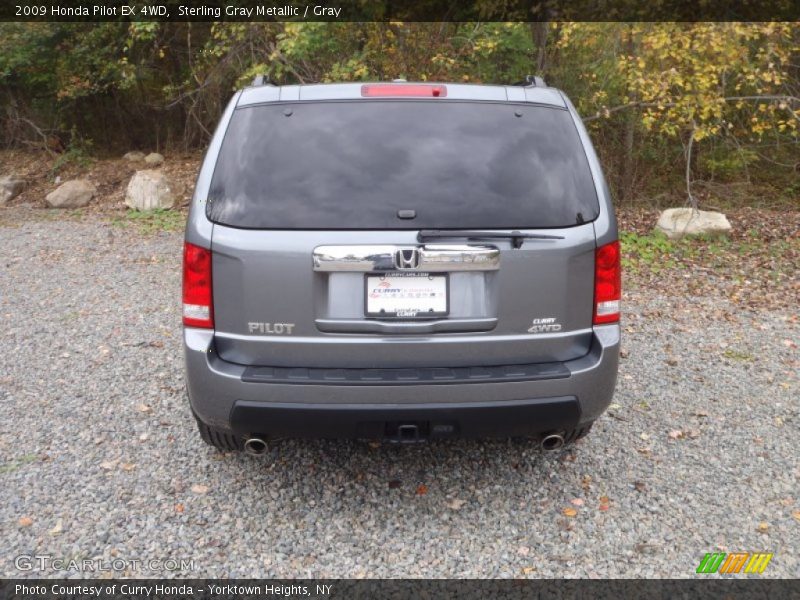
{"type": "Point", "coordinates": [418, 90]}
{"type": "Point", "coordinates": [198, 309]}
{"type": "Point", "coordinates": [607, 283]}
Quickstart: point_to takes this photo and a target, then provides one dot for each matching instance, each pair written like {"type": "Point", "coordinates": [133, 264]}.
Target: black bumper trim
{"type": "Point", "coordinates": [412, 376]}
{"type": "Point", "coordinates": [383, 421]}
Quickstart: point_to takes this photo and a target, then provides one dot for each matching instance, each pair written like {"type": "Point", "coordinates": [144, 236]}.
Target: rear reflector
{"type": "Point", "coordinates": [383, 90]}
{"type": "Point", "coordinates": [607, 284]}
{"type": "Point", "coordinates": [198, 310]}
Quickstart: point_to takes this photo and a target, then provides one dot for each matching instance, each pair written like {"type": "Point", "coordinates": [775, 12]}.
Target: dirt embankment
{"type": "Point", "coordinates": [44, 173]}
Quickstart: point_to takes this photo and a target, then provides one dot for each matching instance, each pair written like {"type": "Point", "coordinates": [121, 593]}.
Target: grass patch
{"type": "Point", "coordinates": [17, 463]}
{"type": "Point", "coordinates": [734, 354]}
{"type": "Point", "coordinates": [152, 221]}
{"type": "Point", "coordinates": [653, 251]}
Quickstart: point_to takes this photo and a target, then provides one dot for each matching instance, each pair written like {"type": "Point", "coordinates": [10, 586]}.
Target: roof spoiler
{"type": "Point", "coordinates": [532, 81]}
{"type": "Point", "coordinates": [260, 80]}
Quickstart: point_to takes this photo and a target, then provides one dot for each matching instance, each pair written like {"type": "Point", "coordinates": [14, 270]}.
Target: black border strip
{"type": "Point", "coordinates": [401, 10]}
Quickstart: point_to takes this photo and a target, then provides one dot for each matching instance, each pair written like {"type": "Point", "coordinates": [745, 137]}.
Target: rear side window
{"type": "Point", "coordinates": [354, 165]}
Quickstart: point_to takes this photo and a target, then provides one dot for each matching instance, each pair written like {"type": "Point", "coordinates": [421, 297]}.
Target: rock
{"type": "Point", "coordinates": [677, 222]}
{"type": "Point", "coordinates": [148, 190]}
{"type": "Point", "coordinates": [154, 159]}
{"type": "Point", "coordinates": [134, 156]}
{"type": "Point", "coordinates": [10, 187]}
{"type": "Point", "coordinates": [72, 194]}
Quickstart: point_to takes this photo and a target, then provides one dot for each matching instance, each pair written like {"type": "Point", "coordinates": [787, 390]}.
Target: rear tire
{"type": "Point", "coordinates": [221, 440]}
{"type": "Point", "coordinates": [570, 437]}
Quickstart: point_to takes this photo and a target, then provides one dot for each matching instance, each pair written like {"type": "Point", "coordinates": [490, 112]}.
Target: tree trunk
{"type": "Point", "coordinates": [539, 36]}
{"type": "Point", "coordinates": [689, 147]}
{"type": "Point", "coordinates": [628, 165]}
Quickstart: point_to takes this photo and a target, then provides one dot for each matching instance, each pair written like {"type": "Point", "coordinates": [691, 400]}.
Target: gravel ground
{"type": "Point", "coordinates": [101, 458]}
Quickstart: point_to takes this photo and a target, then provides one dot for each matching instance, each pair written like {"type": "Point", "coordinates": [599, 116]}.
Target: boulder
{"type": "Point", "coordinates": [72, 194]}
{"type": "Point", "coordinates": [148, 190]}
{"type": "Point", "coordinates": [134, 156]}
{"type": "Point", "coordinates": [678, 222]}
{"type": "Point", "coordinates": [10, 187]}
{"type": "Point", "coordinates": [154, 159]}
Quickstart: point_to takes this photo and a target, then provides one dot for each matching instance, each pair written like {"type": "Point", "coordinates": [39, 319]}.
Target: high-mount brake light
{"type": "Point", "coordinates": [607, 284]}
{"type": "Point", "coordinates": [198, 309]}
{"type": "Point", "coordinates": [413, 90]}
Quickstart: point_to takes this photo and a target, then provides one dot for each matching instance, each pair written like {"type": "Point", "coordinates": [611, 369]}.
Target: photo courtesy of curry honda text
{"type": "Point", "coordinates": [400, 261]}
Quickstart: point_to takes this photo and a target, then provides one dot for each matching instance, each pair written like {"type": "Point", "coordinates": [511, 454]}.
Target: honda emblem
{"type": "Point", "coordinates": [407, 258]}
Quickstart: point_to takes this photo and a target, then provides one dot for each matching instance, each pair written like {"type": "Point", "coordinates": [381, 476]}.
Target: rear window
{"type": "Point", "coordinates": [354, 165]}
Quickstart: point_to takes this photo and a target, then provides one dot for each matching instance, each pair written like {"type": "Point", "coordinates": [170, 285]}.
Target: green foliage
{"type": "Point", "coordinates": [78, 153]}
{"type": "Point", "coordinates": [644, 88]}
{"type": "Point", "coordinates": [152, 221]}
{"type": "Point", "coordinates": [653, 251]}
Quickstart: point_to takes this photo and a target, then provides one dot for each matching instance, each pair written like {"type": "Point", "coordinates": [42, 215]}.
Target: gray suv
{"type": "Point", "coordinates": [400, 261]}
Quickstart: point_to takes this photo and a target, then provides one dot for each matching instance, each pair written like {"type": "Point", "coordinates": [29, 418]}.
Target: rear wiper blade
{"type": "Point", "coordinates": [516, 237]}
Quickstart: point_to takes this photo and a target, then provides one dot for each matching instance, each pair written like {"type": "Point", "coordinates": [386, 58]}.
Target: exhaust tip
{"type": "Point", "coordinates": [255, 446]}
{"type": "Point", "coordinates": [552, 441]}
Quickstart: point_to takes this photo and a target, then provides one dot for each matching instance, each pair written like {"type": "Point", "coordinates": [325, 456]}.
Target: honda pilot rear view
{"type": "Point", "coordinates": [401, 262]}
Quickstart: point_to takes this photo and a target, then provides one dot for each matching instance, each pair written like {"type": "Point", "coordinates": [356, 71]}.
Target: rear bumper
{"type": "Point", "coordinates": [277, 404]}
{"type": "Point", "coordinates": [405, 422]}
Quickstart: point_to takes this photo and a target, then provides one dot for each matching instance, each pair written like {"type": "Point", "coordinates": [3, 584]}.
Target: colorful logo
{"type": "Point", "coordinates": [736, 562]}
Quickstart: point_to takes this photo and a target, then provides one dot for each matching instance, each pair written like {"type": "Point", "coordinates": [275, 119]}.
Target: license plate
{"type": "Point", "coordinates": [406, 295]}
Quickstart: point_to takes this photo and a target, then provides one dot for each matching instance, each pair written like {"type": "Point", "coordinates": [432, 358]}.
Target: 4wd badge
{"type": "Point", "coordinates": [546, 325]}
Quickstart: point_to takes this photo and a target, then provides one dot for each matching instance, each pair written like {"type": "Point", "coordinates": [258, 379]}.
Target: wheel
{"type": "Point", "coordinates": [221, 440]}
{"type": "Point", "coordinates": [576, 434]}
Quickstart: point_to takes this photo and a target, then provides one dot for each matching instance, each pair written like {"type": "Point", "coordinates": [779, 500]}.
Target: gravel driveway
{"type": "Point", "coordinates": [100, 456]}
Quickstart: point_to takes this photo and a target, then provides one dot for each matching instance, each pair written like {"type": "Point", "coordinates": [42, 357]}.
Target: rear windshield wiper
{"type": "Point", "coordinates": [516, 237]}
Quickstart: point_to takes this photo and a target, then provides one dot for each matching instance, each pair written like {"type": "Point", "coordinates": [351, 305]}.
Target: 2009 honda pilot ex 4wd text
{"type": "Point", "coordinates": [402, 262]}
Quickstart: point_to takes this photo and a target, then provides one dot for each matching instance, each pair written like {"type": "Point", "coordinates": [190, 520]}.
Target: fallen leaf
{"type": "Point", "coordinates": [672, 362]}
{"type": "Point", "coordinates": [646, 548]}
{"type": "Point", "coordinates": [199, 488]}
{"type": "Point", "coordinates": [604, 503]}
{"type": "Point", "coordinates": [586, 482]}
{"type": "Point", "coordinates": [763, 527]}
{"type": "Point", "coordinates": [394, 484]}
{"type": "Point", "coordinates": [676, 434]}
{"type": "Point", "coordinates": [108, 464]}
{"type": "Point", "coordinates": [569, 512]}
{"type": "Point", "coordinates": [700, 413]}
{"type": "Point", "coordinates": [128, 466]}
{"type": "Point", "coordinates": [144, 408]}
{"type": "Point", "coordinates": [639, 486]}
{"type": "Point", "coordinates": [25, 521]}
{"type": "Point", "coordinates": [456, 503]}
{"type": "Point", "coordinates": [796, 514]}
{"type": "Point", "coordinates": [59, 527]}
{"type": "Point", "coordinates": [179, 508]}
{"type": "Point", "coordinates": [528, 570]}
{"type": "Point", "coordinates": [577, 501]}
{"type": "Point", "coordinates": [422, 489]}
